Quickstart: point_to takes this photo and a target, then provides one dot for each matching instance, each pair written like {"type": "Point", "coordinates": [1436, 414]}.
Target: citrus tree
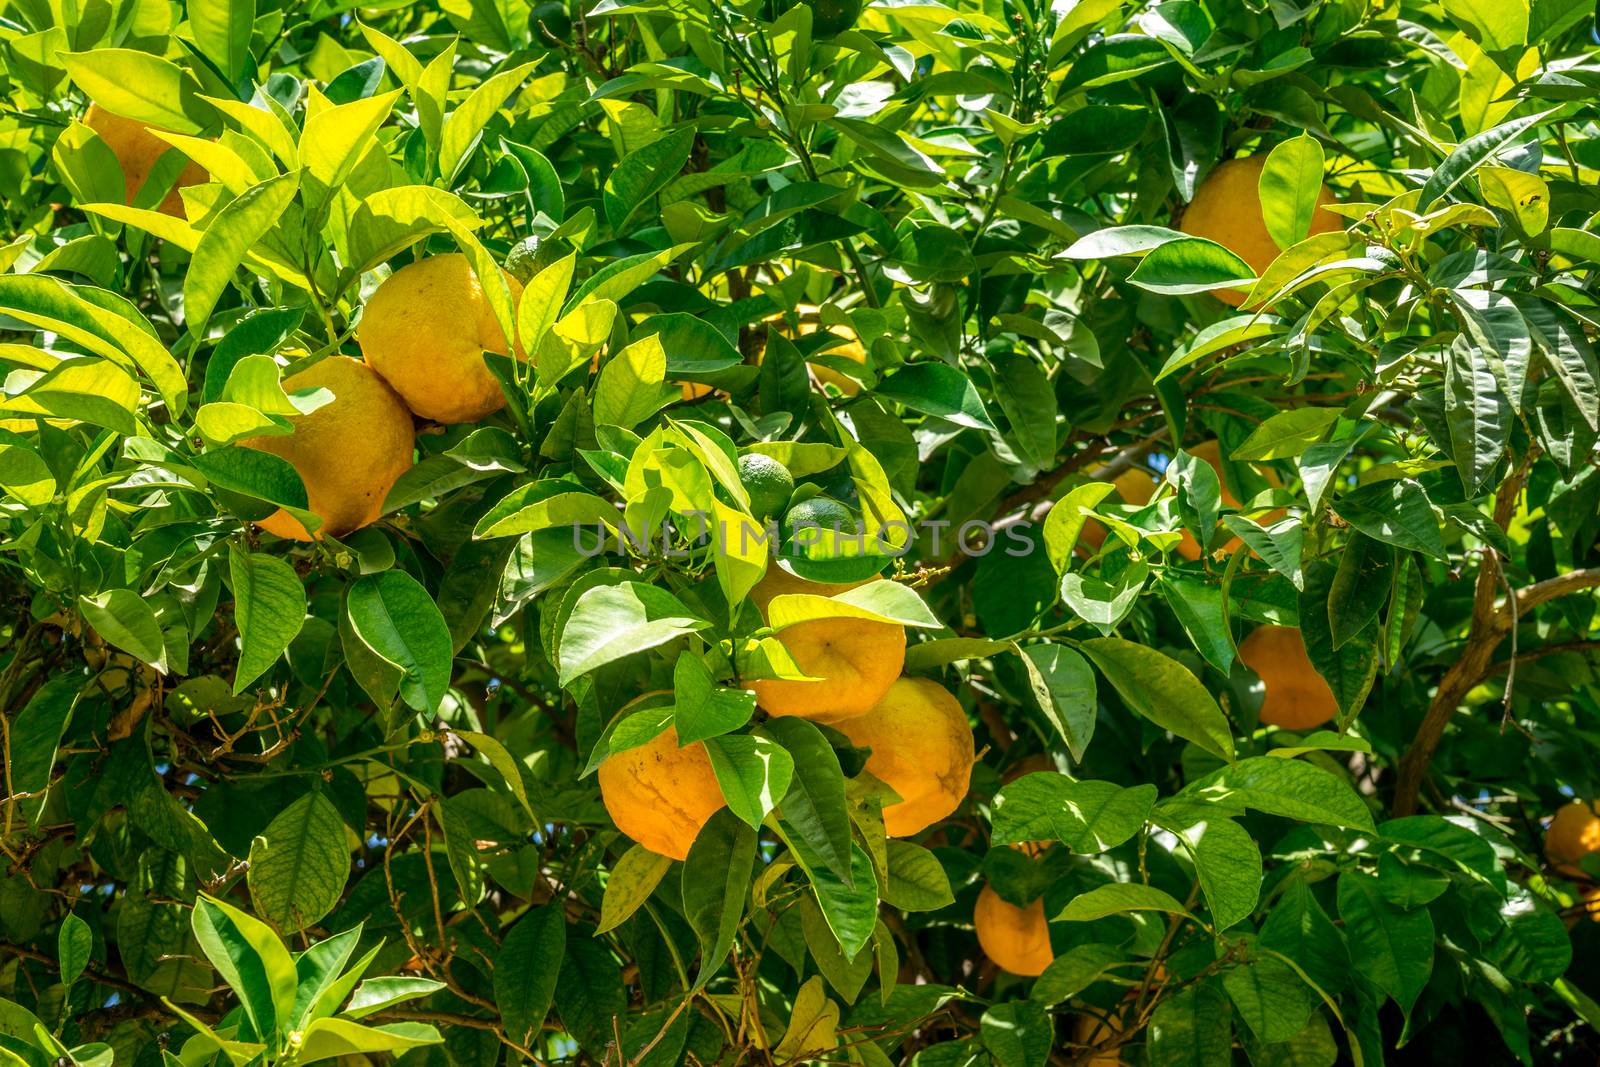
{"type": "Point", "coordinates": [751, 533]}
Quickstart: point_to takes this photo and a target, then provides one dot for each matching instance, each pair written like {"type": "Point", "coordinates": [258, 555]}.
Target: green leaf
{"type": "Point", "coordinates": [1163, 691]}
{"type": "Point", "coordinates": [1088, 816]}
{"type": "Point", "coordinates": [241, 223]}
{"type": "Point", "coordinates": [1349, 669]}
{"type": "Point", "coordinates": [1018, 1033]}
{"type": "Point", "coordinates": [1117, 899]}
{"type": "Point", "coordinates": [100, 322]}
{"type": "Point", "coordinates": [1396, 512]}
{"type": "Point", "coordinates": [754, 772]}
{"type": "Point", "coordinates": [814, 807]}
{"type": "Point", "coordinates": [463, 128]}
{"type": "Point", "coordinates": [716, 880]}
{"type": "Point", "coordinates": [1290, 184]}
{"type": "Point", "coordinates": [1472, 153]}
{"type": "Point", "coordinates": [1190, 265]}
{"type": "Point", "coordinates": [397, 620]}
{"type": "Point", "coordinates": [609, 622]}
{"type": "Point", "coordinates": [37, 730]}
{"type": "Point", "coordinates": [74, 943]}
{"type": "Point", "coordinates": [1494, 27]}
{"type": "Point", "coordinates": [937, 389]}
{"type": "Point", "coordinates": [377, 994]}
{"type": "Point", "coordinates": [222, 30]}
{"type": "Point", "coordinates": [1395, 947]}
{"type": "Point", "coordinates": [1191, 1028]}
{"type": "Point", "coordinates": [334, 139]}
{"type": "Point", "coordinates": [1525, 197]}
{"type": "Point", "coordinates": [1287, 434]}
{"type": "Point", "coordinates": [328, 1039]}
{"type": "Point", "coordinates": [25, 476]}
{"type": "Point", "coordinates": [1121, 241]}
{"type": "Point", "coordinates": [1065, 521]}
{"type": "Point", "coordinates": [260, 476]}
{"type": "Point", "coordinates": [642, 174]}
{"type": "Point", "coordinates": [1291, 788]}
{"type": "Point", "coordinates": [501, 759]}
{"type": "Point", "coordinates": [881, 601]}
{"type": "Point", "coordinates": [1227, 861]}
{"type": "Point", "coordinates": [299, 864]}
{"type": "Point", "coordinates": [1075, 970]}
{"type": "Point", "coordinates": [917, 880]}
{"type": "Point", "coordinates": [1297, 926]}
{"type": "Point", "coordinates": [95, 391]}
{"type": "Point", "coordinates": [1221, 336]}
{"type": "Point", "coordinates": [1477, 410]}
{"type": "Point", "coordinates": [251, 959]}
{"type": "Point", "coordinates": [269, 607]}
{"type": "Point", "coordinates": [1360, 588]}
{"type": "Point", "coordinates": [632, 384]}
{"type": "Point", "coordinates": [1271, 998]}
{"type": "Point", "coordinates": [127, 621]}
{"type": "Point", "coordinates": [140, 86]}
{"type": "Point", "coordinates": [850, 906]}
{"type": "Point", "coordinates": [526, 968]}
{"type": "Point", "coordinates": [631, 881]}
{"type": "Point", "coordinates": [1028, 398]}
{"type": "Point", "coordinates": [1062, 685]}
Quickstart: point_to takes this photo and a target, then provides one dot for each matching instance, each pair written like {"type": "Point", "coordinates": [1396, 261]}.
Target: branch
{"type": "Point", "coordinates": [1490, 625]}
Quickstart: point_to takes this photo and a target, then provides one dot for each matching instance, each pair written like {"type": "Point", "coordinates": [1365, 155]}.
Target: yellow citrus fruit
{"type": "Point", "coordinates": [1016, 939]}
{"type": "Point", "coordinates": [922, 748]}
{"type": "Point", "coordinates": [660, 795]}
{"type": "Point", "coordinates": [854, 661]}
{"type": "Point", "coordinates": [137, 149]}
{"type": "Point", "coordinates": [1093, 1032]}
{"type": "Point", "coordinates": [1296, 697]}
{"type": "Point", "coordinates": [426, 330]}
{"type": "Point", "coordinates": [1572, 835]}
{"type": "Point", "coordinates": [1227, 209]}
{"type": "Point", "coordinates": [349, 452]}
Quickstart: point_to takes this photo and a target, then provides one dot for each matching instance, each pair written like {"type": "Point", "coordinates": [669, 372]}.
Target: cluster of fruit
{"type": "Point", "coordinates": [660, 794]}
{"type": "Point", "coordinates": [423, 334]}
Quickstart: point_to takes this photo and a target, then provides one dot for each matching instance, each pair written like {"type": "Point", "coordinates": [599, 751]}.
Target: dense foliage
{"type": "Point", "coordinates": [276, 799]}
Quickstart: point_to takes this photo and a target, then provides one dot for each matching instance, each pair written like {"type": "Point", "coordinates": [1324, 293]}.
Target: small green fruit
{"type": "Point", "coordinates": [768, 482]}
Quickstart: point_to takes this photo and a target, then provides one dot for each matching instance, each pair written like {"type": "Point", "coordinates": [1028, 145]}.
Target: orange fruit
{"type": "Point", "coordinates": [1092, 1032]}
{"type": "Point", "coordinates": [137, 149]}
{"type": "Point", "coordinates": [1016, 939]}
{"type": "Point", "coordinates": [854, 661]}
{"type": "Point", "coordinates": [1296, 697]}
{"type": "Point", "coordinates": [1573, 833]}
{"type": "Point", "coordinates": [660, 795]}
{"type": "Point", "coordinates": [349, 452]}
{"type": "Point", "coordinates": [1227, 209]}
{"type": "Point", "coordinates": [922, 748]}
{"type": "Point", "coordinates": [426, 329]}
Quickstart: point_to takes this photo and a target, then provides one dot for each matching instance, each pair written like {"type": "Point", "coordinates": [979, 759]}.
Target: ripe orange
{"type": "Point", "coordinates": [137, 149]}
{"type": "Point", "coordinates": [426, 329]}
{"type": "Point", "coordinates": [1016, 939]}
{"type": "Point", "coordinates": [1227, 209]}
{"type": "Point", "coordinates": [922, 748]}
{"type": "Point", "coordinates": [1296, 696]}
{"type": "Point", "coordinates": [660, 795]}
{"type": "Point", "coordinates": [854, 661]}
{"type": "Point", "coordinates": [349, 452]}
{"type": "Point", "coordinates": [1573, 833]}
